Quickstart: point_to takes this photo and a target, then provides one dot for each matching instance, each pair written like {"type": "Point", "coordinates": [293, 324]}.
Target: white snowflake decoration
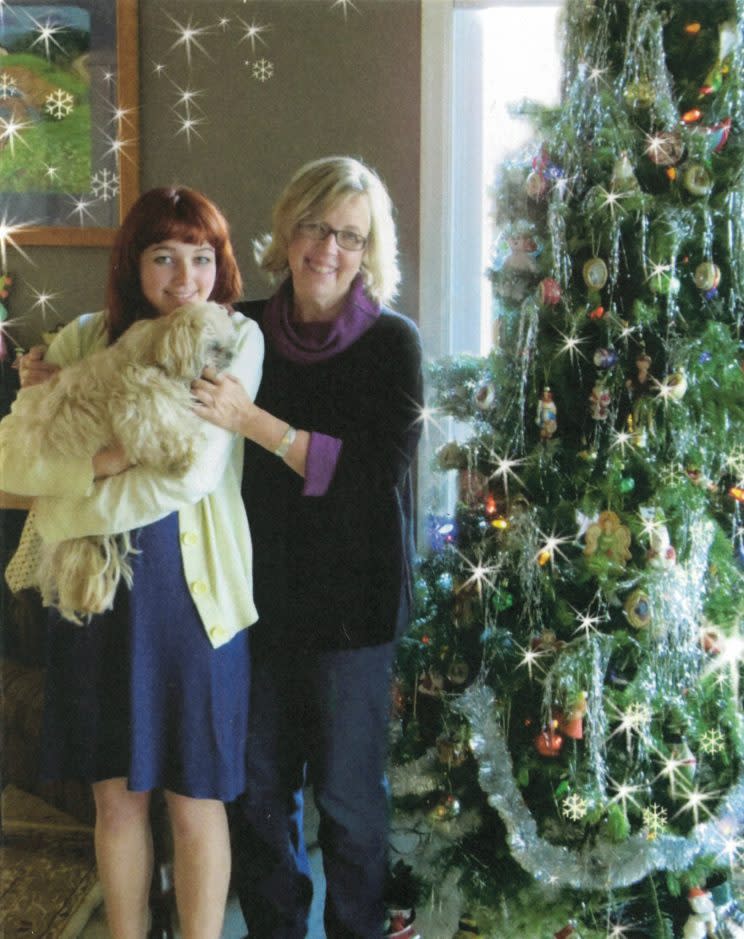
{"type": "Point", "coordinates": [654, 819]}
{"type": "Point", "coordinates": [263, 70]}
{"type": "Point", "coordinates": [105, 185]}
{"type": "Point", "coordinates": [59, 104]}
{"type": "Point", "coordinates": [7, 85]}
{"type": "Point", "coordinates": [712, 742]}
{"type": "Point", "coordinates": [574, 807]}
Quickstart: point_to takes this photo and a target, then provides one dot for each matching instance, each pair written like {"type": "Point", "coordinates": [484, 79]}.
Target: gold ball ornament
{"type": "Point", "coordinates": [536, 185]}
{"type": "Point", "coordinates": [707, 276]}
{"type": "Point", "coordinates": [665, 149]}
{"type": "Point", "coordinates": [677, 384]}
{"type": "Point", "coordinates": [637, 609]}
{"type": "Point", "coordinates": [697, 179]}
{"type": "Point", "coordinates": [594, 273]}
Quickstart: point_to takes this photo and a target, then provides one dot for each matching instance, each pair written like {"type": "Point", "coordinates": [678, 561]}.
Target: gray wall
{"type": "Point", "coordinates": [345, 79]}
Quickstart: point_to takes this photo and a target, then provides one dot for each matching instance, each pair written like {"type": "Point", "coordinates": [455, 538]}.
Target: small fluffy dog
{"type": "Point", "coordinates": [136, 392]}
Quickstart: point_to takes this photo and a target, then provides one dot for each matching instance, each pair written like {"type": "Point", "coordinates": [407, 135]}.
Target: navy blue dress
{"type": "Point", "coordinates": [140, 692]}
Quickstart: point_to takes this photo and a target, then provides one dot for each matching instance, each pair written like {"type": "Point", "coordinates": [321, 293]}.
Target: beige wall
{"type": "Point", "coordinates": [340, 84]}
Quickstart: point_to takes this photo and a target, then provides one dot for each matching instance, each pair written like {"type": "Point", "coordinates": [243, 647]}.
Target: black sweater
{"type": "Point", "coordinates": [334, 571]}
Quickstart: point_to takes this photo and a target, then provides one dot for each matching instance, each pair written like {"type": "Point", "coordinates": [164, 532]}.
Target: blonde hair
{"type": "Point", "coordinates": [314, 189]}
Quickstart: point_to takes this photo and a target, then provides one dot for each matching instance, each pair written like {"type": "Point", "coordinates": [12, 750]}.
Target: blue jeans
{"type": "Point", "coordinates": [321, 716]}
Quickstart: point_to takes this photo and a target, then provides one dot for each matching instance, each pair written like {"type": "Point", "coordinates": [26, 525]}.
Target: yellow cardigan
{"type": "Point", "coordinates": [215, 539]}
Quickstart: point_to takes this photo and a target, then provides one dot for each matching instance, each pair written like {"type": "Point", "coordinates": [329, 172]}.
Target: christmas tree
{"type": "Point", "coordinates": [569, 744]}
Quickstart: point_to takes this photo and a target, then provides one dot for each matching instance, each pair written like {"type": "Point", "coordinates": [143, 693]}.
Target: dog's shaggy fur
{"type": "Point", "coordinates": [135, 392]}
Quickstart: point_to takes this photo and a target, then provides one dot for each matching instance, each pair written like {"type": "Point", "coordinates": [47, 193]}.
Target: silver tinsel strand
{"type": "Point", "coordinates": [605, 865]}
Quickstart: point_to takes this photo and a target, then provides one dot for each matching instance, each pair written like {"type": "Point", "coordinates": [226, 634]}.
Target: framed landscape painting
{"type": "Point", "coordinates": [69, 130]}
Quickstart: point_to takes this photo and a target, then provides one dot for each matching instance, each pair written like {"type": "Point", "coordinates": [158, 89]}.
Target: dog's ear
{"type": "Point", "coordinates": [178, 347]}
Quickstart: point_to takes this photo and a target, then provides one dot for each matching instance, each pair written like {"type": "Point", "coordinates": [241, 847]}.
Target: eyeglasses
{"type": "Point", "coordinates": [345, 238]}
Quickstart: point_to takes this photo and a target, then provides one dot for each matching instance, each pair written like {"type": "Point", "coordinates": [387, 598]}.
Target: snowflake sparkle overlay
{"type": "Point", "coordinates": [8, 85]}
{"type": "Point", "coordinates": [105, 185]}
{"type": "Point", "coordinates": [59, 104]}
{"type": "Point", "coordinates": [263, 70]}
{"type": "Point", "coordinates": [712, 742]}
{"type": "Point", "coordinates": [655, 818]}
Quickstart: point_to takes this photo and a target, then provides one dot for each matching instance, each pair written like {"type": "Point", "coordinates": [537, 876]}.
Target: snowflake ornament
{"type": "Point", "coordinates": [59, 104]}
{"type": "Point", "coordinates": [574, 807]}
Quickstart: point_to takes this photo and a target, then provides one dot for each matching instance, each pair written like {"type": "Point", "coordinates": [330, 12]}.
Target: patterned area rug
{"type": "Point", "coordinates": [48, 882]}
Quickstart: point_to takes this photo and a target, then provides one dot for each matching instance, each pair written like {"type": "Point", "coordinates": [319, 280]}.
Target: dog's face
{"type": "Point", "coordinates": [193, 337]}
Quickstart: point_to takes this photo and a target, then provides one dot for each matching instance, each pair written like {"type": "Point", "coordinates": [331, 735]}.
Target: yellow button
{"type": "Point", "coordinates": [199, 588]}
{"type": "Point", "coordinates": [189, 538]}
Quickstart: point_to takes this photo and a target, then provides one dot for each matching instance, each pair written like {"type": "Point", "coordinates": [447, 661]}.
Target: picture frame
{"type": "Point", "coordinates": [69, 125]}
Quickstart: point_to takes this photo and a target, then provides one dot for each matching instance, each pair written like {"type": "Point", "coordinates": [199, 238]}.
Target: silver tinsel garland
{"type": "Point", "coordinates": [604, 865]}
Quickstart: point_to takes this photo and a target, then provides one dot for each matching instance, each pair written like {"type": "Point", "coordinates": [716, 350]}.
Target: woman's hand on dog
{"type": "Point", "coordinates": [221, 399]}
{"type": "Point", "coordinates": [32, 369]}
{"type": "Point", "coordinates": [110, 461]}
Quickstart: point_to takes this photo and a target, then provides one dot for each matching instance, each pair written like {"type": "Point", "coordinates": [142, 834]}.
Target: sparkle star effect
{"type": "Point", "coordinates": [571, 345]}
{"type": "Point", "coordinates": [478, 574]}
{"type": "Point", "coordinates": [47, 34]}
{"type": "Point", "coordinates": [188, 125]}
{"type": "Point", "coordinates": [633, 720]}
{"type": "Point", "coordinates": [624, 793]}
{"type": "Point", "coordinates": [10, 132]}
{"type": "Point", "coordinates": [427, 418]}
{"type": "Point", "coordinates": [117, 147]}
{"type": "Point", "coordinates": [504, 468]}
{"type": "Point", "coordinates": [610, 200]}
{"type": "Point", "coordinates": [550, 547]}
{"type": "Point", "coordinates": [622, 439]}
{"type": "Point", "coordinates": [531, 659]}
{"type": "Point", "coordinates": [695, 802]}
{"type": "Point", "coordinates": [730, 657]}
{"type": "Point", "coordinates": [8, 230]}
{"type": "Point", "coordinates": [588, 622]}
{"type": "Point", "coordinates": [188, 36]}
{"type": "Point", "coordinates": [730, 847]}
{"type": "Point", "coordinates": [81, 208]}
{"type": "Point", "coordinates": [344, 4]}
{"type": "Point", "coordinates": [43, 301]}
{"type": "Point", "coordinates": [253, 33]}
{"type": "Point", "coordinates": [674, 768]}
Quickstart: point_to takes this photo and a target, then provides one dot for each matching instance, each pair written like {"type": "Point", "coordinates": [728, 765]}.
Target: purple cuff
{"type": "Point", "coordinates": [320, 464]}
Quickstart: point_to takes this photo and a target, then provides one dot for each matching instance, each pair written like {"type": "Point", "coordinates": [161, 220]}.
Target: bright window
{"type": "Point", "coordinates": [479, 58]}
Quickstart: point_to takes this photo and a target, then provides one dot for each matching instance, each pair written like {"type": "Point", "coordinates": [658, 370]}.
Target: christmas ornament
{"type": "Point", "coordinates": [623, 177]}
{"type": "Point", "coordinates": [677, 384]}
{"type": "Point", "coordinates": [536, 185]}
{"type": "Point", "coordinates": [458, 672]}
{"type": "Point", "coordinates": [737, 493]}
{"type": "Point", "coordinates": [401, 924]}
{"type": "Point", "coordinates": [702, 921]}
{"type": "Point", "coordinates": [605, 358]}
{"type": "Point", "coordinates": [594, 273]}
{"type": "Point", "coordinates": [707, 276]}
{"type": "Point", "coordinates": [717, 135]}
{"type": "Point", "coordinates": [637, 609]}
{"type": "Point", "coordinates": [639, 94]}
{"type": "Point", "coordinates": [451, 751]}
{"type": "Point", "coordinates": [599, 402]}
{"type": "Point", "coordinates": [609, 538]}
{"type": "Point", "coordinates": [728, 912]}
{"type": "Point", "coordinates": [446, 809]}
{"type": "Point", "coordinates": [568, 930]}
{"type": "Point", "coordinates": [549, 291]}
{"type": "Point", "coordinates": [547, 415]}
{"type": "Point", "coordinates": [597, 313]}
{"type": "Point", "coordinates": [485, 396]}
{"type": "Point", "coordinates": [548, 743]}
{"type": "Point", "coordinates": [697, 179]}
{"type": "Point", "coordinates": [661, 554]}
{"type": "Point", "coordinates": [572, 722]}
{"type": "Point", "coordinates": [665, 149]}
{"type": "Point", "coordinates": [663, 281]}
{"type": "Point", "coordinates": [692, 29]}
{"type": "Point", "coordinates": [467, 928]}
{"type": "Point", "coordinates": [692, 116]}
